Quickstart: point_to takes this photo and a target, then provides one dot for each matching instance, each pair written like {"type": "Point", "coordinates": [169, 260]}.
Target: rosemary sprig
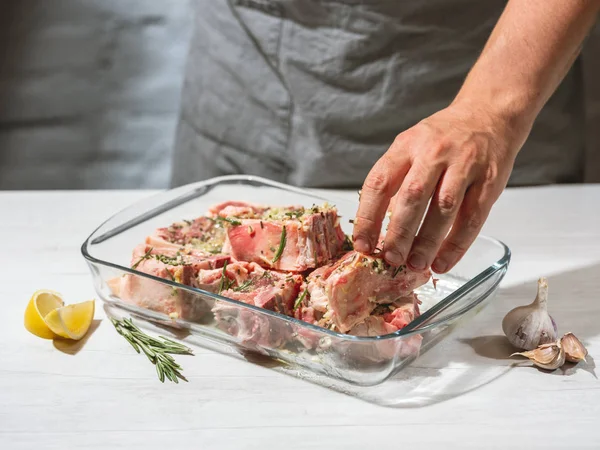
{"type": "Point", "coordinates": [282, 241]}
{"type": "Point", "coordinates": [146, 256]}
{"type": "Point", "coordinates": [300, 299]}
{"type": "Point", "coordinates": [158, 352]}
{"type": "Point", "coordinates": [233, 222]}
{"type": "Point", "coordinates": [245, 285]}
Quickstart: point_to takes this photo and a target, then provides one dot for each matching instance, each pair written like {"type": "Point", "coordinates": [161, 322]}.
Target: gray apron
{"type": "Point", "coordinates": [312, 92]}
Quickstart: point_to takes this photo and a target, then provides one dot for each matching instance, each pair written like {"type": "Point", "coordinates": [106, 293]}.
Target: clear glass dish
{"type": "Point", "coordinates": [364, 361]}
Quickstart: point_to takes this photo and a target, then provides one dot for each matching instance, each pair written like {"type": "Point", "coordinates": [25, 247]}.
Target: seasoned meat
{"type": "Point", "coordinates": [250, 283]}
{"type": "Point", "coordinates": [181, 266]}
{"type": "Point", "coordinates": [349, 290]}
{"type": "Point", "coordinates": [203, 233]}
{"type": "Point", "coordinates": [288, 260]}
{"type": "Point", "coordinates": [290, 238]}
{"type": "Point", "coordinates": [388, 319]}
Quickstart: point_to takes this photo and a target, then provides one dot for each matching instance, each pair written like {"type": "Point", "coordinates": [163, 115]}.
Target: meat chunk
{"type": "Point", "coordinates": [387, 319]}
{"type": "Point", "coordinates": [290, 238]}
{"type": "Point", "coordinates": [255, 254]}
{"type": "Point", "coordinates": [203, 233]}
{"type": "Point", "coordinates": [216, 281]}
{"type": "Point", "coordinates": [176, 256]}
{"type": "Point", "coordinates": [249, 328]}
{"type": "Point", "coordinates": [347, 292]}
{"type": "Point", "coordinates": [180, 266]}
{"type": "Point", "coordinates": [237, 209]}
{"type": "Point", "coordinates": [250, 283]}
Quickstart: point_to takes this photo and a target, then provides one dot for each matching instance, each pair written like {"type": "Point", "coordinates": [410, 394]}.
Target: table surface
{"type": "Point", "coordinates": [100, 394]}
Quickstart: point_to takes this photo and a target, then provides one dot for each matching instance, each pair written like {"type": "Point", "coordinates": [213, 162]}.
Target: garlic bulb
{"type": "Point", "coordinates": [547, 356]}
{"type": "Point", "coordinates": [574, 349]}
{"type": "Point", "coordinates": [528, 326]}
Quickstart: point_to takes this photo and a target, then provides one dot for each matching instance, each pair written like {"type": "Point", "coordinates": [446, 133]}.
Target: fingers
{"type": "Point", "coordinates": [473, 212]}
{"type": "Point", "coordinates": [441, 214]}
{"type": "Point", "coordinates": [381, 184]}
{"type": "Point", "coordinates": [411, 203]}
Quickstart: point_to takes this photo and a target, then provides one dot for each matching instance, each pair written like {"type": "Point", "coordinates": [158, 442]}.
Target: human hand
{"type": "Point", "coordinates": [461, 159]}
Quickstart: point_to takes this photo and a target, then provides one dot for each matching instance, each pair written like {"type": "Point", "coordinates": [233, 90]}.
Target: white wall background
{"type": "Point", "coordinates": [89, 91]}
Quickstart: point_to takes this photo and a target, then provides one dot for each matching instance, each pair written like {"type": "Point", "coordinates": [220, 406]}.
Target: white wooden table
{"type": "Point", "coordinates": [100, 394]}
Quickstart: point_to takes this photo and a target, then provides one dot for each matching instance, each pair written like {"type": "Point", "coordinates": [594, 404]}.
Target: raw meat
{"type": "Point", "coordinates": [289, 238]}
{"type": "Point", "coordinates": [386, 319]}
{"type": "Point", "coordinates": [180, 266]}
{"type": "Point", "coordinates": [251, 284]}
{"type": "Point", "coordinates": [251, 329]}
{"type": "Point", "coordinates": [204, 233]}
{"type": "Point", "coordinates": [346, 292]}
{"type": "Point", "coordinates": [259, 255]}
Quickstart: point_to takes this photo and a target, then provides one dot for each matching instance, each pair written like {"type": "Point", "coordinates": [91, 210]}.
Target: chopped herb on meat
{"type": "Point", "coordinates": [244, 286]}
{"type": "Point", "coordinates": [300, 299]}
{"type": "Point", "coordinates": [225, 282]}
{"type": "Point", "coordinates": [282, 242]}
{"type": "Point", "coordinates": [229, 220]}
{"type": "Point", "coordinates": [146, 256]}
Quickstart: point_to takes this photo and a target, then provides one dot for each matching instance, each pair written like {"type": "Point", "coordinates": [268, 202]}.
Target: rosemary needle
{"type": "Point", "coordinates": [244, 286]}
{"type": "Point", "coordinates": [299, 299]}
{"type": "Point", "coordinates": [225, 283]}
{"type": "Point", "coordinates": [282, 241]}
{"type": "Point", "coordinates": [157, 351]}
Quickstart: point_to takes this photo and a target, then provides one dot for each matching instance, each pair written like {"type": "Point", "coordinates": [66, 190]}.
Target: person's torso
{"type": "Point", "coordinates": [312, 93]}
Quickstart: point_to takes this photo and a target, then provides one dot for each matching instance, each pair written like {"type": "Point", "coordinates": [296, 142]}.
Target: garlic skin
{"type": "Point", "coordinates": [547, 356]}
{"type": "Point", "coordinates": [529, 326]}
{"type": "Point", "coordinates": [575, 351]}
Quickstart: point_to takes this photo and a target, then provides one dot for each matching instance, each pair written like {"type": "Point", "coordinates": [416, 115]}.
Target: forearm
{"type": "Point", "coordinates": [531, 49]}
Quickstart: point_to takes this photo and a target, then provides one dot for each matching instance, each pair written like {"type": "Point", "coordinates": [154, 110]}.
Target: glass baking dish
{"type": "Point", "coordinates": [232, 326]}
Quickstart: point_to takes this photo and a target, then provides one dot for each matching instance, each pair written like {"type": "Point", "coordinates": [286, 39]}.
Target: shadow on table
{"type": "Point", "coordinates": [572, 304]}
{"type": "Point", "coordinates": [73, 347]}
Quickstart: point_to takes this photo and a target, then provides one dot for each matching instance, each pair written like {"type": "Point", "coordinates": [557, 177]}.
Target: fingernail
{"type": "Point", "coordinates": [439, 266]}
{"type": "Point", "coordinates": [361, 245]}
{"type": "Point", "coordinates": [417, 262]}
{"type": "Point", "coordinates": [393, 258]}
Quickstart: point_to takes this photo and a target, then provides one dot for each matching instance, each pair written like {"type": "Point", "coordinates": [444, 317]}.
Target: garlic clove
{"type": "Point", "coordinates": [575, 351]}
{"type": "Point", "coordinates": [526, 327]}
{"type": "Point", "coordinates": [547, 356]}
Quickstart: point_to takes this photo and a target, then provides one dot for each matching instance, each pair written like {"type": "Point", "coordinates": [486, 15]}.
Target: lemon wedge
{"type": "Point", "coordinates": [71, 321]}
{"type": "Point", "coordinates": [42, 302]}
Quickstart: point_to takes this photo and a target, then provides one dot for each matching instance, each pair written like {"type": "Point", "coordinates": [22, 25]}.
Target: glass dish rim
{"type": "Point", "coordinates": [415, 327]}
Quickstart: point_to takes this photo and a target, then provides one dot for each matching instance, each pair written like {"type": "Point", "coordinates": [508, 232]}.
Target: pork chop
{"type": "Point", "coordinates": [290, 238]}
{"type": "Point", "coordinates": [346, 292]}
